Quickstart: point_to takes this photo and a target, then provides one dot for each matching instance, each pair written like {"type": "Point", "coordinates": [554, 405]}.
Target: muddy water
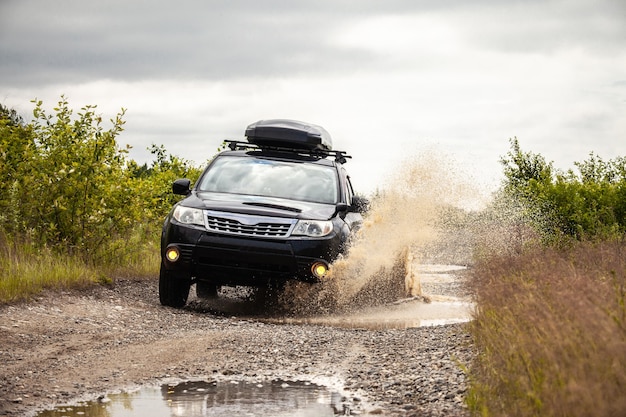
{"type": "Point", "coordinates": [433, 306]}
{"type": "Point", "coordinates": [202, 398]}
{"type": "Point", "coordinates": [408, 314]}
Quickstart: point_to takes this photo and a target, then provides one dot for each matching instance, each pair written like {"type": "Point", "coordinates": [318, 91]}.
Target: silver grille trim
{"type": "Point", "coordinates": [248, 225]}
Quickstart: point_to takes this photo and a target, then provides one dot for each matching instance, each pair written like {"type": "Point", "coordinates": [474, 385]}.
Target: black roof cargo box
{"type": "Point", "coordinates": [289, 134]}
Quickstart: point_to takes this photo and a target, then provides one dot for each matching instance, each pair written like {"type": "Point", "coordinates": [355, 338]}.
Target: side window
{"type": "Point", "coordinates": [349, 190]}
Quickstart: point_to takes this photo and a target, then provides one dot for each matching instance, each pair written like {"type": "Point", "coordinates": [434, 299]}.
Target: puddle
{"type": "Point", "coordinates": [404, 315]}
{"type": "Point", "coordinates": [201, 398]}
{"type": "Point", "coordinates": [439, 268]}
{"type": "Point", "coordinates": [440, 309]}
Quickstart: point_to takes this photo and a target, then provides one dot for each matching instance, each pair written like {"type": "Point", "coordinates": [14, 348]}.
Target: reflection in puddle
{"type": "Point", "coordinates": [201, 398]}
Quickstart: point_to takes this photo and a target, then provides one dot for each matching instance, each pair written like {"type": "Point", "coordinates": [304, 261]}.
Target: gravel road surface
{"type": "Point", "coordinates": [65, 346]}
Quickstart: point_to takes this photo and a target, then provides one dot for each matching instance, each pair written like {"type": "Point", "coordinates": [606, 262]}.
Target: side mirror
{"type": "Point", "coordinates": [181, 186]}
{"type": "Point", "coordinates": [341, 207]}
{"type": "Point", "coordinates": [360, 204]}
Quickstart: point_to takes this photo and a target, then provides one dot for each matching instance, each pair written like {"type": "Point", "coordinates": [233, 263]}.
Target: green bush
{"type": "Point", "coordinates": [68, 189]}
{"type": "Point", "coordinates": [588, 204]}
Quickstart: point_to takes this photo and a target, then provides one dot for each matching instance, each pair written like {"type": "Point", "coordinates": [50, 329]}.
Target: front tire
{"type": "Point", "coordinates": [173, 292]}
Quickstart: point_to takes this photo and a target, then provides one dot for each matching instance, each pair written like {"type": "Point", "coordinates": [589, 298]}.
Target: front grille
{"type": "Point", "coordinates": [246, 226]}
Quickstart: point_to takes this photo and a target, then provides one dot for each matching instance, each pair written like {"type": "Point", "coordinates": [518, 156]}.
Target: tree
{"type": "Point", "coordinates": [72, 184]}
{"type": "Point", "coordinates": [587, 204]}
{"type": "Point", "coordinates": [522, 168]}
{"type": "Point", "coordinates": [17, 147]}
{"type": "Point", "coordinates": [11, 116]}
{"type": "Point", "coordinates": [65, 183]}
{"type": "Point", "coordinates": [153, 184]}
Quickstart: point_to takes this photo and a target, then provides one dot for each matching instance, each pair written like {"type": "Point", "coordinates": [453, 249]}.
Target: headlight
{"type": "Point", "coordinates": [188, 215]}
{"type": "Point", "coordinates": [313, 228]}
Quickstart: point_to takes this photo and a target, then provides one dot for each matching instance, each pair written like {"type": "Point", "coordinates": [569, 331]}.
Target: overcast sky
{"type": "Point", "coordinates": [389, 80]}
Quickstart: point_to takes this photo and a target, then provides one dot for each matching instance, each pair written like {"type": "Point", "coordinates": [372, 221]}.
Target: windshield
{"type": "Point", "coordinates": [270, 178]}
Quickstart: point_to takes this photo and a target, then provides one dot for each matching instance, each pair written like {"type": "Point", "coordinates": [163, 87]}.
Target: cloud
{"type": "Point", "coordinates": [129, 41]}
{"type": "Point", "coordinates": [66, 41]}
{"type": "Point", "coordinates": [387, 79]}
{"type": "Point", "coordinates": [551, 26]}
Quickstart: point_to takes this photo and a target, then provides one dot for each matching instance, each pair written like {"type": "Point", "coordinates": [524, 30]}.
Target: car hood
{"type": "Point", "coordinates": [262, 206]}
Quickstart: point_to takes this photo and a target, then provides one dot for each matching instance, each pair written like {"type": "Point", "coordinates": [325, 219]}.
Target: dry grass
{"type": "Point", "coordinates": [26, 270]}
{"type": "Point", "coordinates": [550, 330]}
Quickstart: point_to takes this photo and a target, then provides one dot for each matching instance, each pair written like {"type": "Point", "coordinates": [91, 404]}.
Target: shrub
{"type": "Point", "coordinates": [550, 329]}
{"type": "Point", "coordinates": [68, 191]}
{"type": "Point", "coordinates": [588, 204]}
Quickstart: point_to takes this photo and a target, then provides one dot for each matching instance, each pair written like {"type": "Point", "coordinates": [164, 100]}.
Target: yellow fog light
{"type": "Point", "coordinates": [172, 254]}
{"type": "Point", "coordinates": [319, 269]}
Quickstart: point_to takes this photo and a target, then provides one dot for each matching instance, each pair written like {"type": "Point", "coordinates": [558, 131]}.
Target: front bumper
{"type": "Point", "coordinates": [231, 260]}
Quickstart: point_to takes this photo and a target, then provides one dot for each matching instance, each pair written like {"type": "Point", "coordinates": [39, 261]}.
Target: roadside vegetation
{"type": "Point", "coordinates": [74, 209]}
{"type": "Point", "coordinates": [550, 287]}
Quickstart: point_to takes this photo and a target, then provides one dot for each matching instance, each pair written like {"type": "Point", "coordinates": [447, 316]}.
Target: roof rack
{"type": "Point", "coordinates": [340, 156]}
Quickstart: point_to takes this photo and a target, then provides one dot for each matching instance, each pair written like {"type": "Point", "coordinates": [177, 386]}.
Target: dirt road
{"type": "Point", "coordinates": [64, 346]}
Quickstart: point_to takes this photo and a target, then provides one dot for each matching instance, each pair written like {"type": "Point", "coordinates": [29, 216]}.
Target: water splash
{"type": "Point", "coordinates": [406, 220]}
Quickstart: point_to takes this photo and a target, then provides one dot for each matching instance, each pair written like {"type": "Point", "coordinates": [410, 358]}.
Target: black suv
{"type": "Point", "coordinates": [277, 207]}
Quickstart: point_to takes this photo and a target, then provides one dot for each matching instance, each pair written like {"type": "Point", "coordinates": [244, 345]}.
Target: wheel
{"type": "Point", "coordinates": [173, 292]}
{"type": "Point", "coordinates": [206, 290]}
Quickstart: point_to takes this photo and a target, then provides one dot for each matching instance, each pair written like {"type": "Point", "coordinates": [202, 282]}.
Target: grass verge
{"type": "Point", "coordinates": [550, 331]}
{"type": "Point", "coordinates": [26, 270]}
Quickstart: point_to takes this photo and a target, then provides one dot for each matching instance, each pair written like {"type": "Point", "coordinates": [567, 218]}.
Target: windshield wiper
{"type": "Point", "coordinates": [274, 206]}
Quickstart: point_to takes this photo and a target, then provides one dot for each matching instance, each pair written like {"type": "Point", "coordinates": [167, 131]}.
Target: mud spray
{"type": "Point", "coordinates": [408, 222]}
